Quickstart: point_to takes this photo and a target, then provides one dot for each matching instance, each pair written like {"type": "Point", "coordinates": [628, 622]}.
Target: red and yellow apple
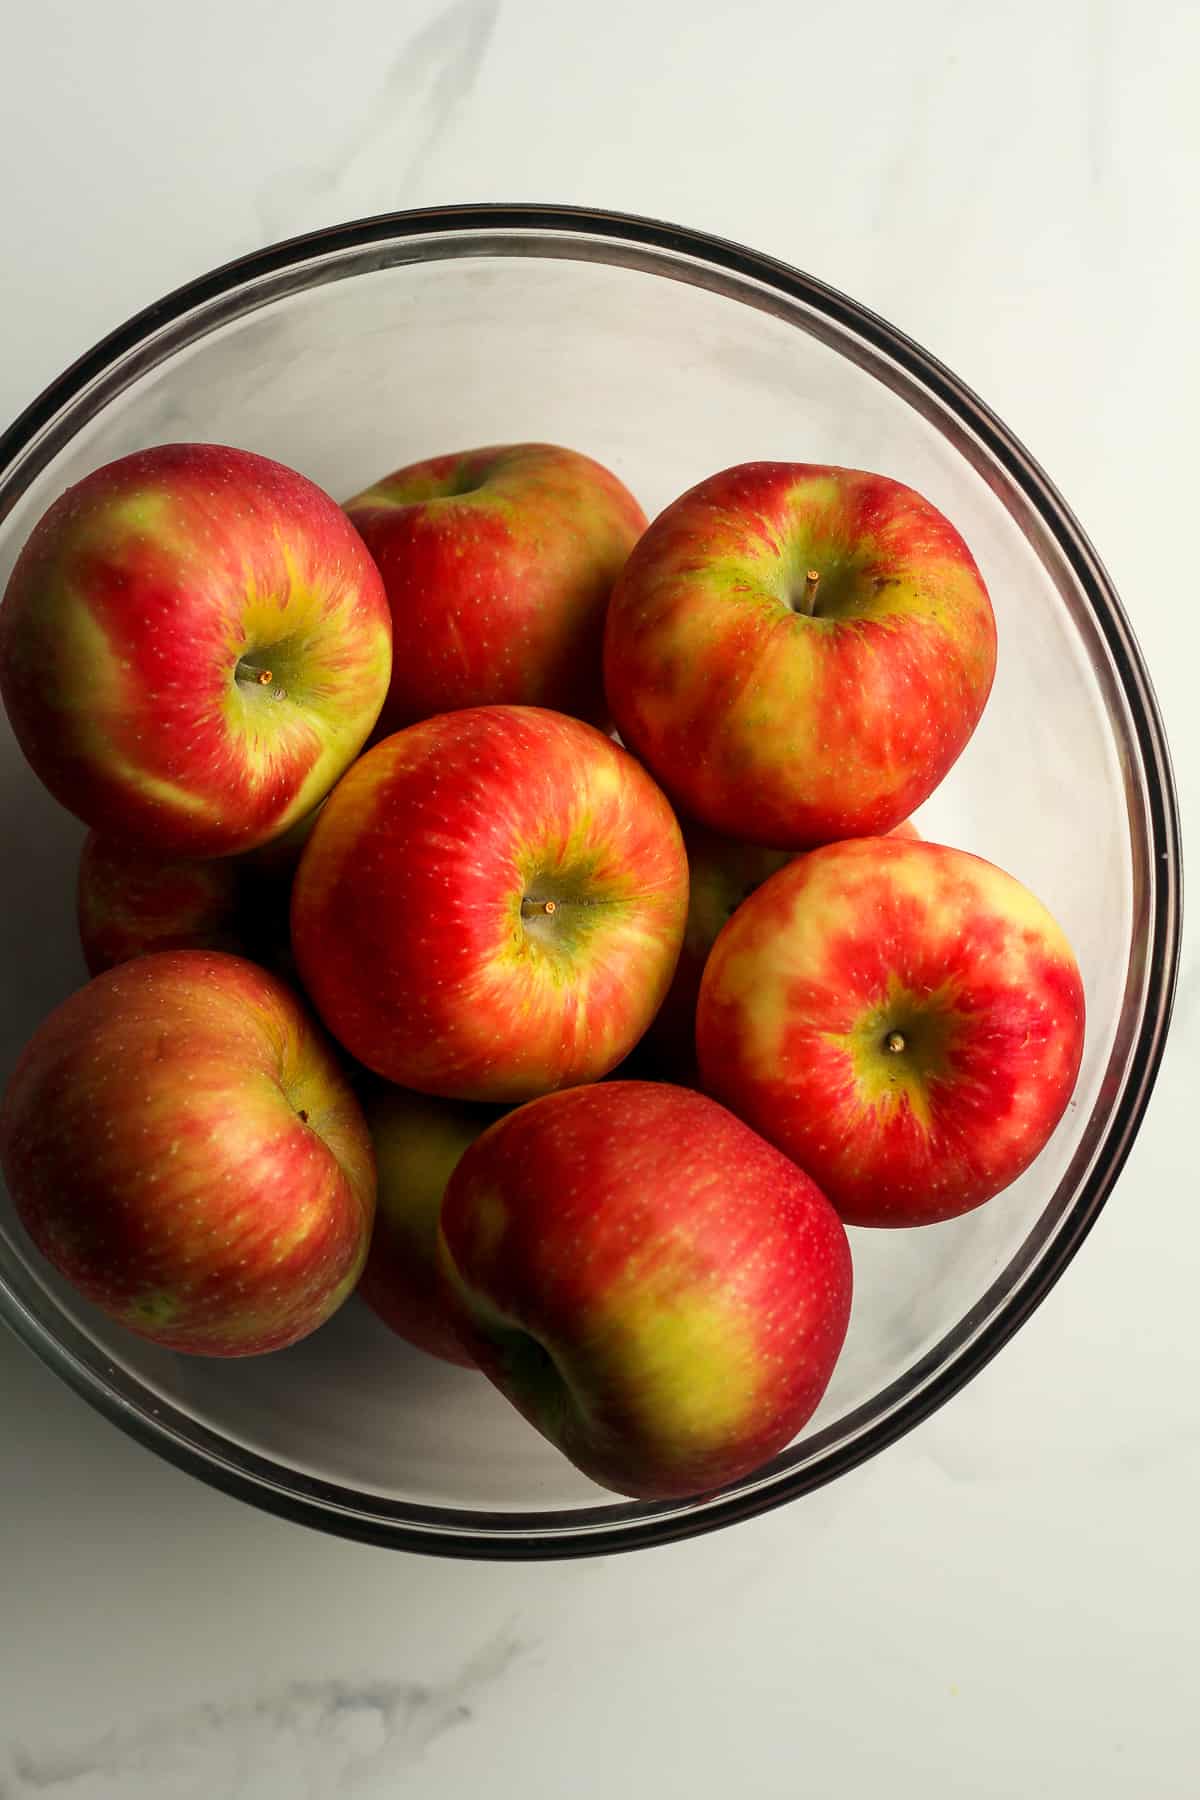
{"type": "Point", "coordinates": [419, 1142]}
{"type": "Point", "coordinates": [904, 1020]}
{"type": "Point", "coordinates": [193, 645]}
{"type": "Point", "coordinates": [721, 874]}
{"type": "Point", "coordinates": [656, 1289]}
{"type": "Point", "coordinates": [180, 1143]}
{"type": "Point", "coordinates": [799, 653]}
{"type": "Point", "coordinates": [131, 902]}
{"type": "Point", "coordinates": [491, 905]}
{"type": "Point", "coordinates": [498, 564]}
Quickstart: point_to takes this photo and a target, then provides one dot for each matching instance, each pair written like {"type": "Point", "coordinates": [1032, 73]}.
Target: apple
{"type": "Point", "coordinates": [194, 644]}
{"type": "Point", "coordinates": [131, 902]}
{"type": "Point", "coordinates": [656, 1289]}
{"type": "Point", "coordinates": [498, 564]}
{"type": "Point", "coordinates": [419, 1142]}
{"type": "Point", "coordinates": [491, 904]}
{"type": "Point", "coordinates": [180, 1144]}
{"type": "Point", "coordinates": [799, 653]}
{"type": "Point", "coordinates": [721, 875]}
{"type": "Point", "coordinates": [904, 1020]}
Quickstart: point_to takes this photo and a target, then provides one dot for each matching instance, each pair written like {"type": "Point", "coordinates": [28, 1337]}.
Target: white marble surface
{"type": "Point", "coordinates": [1004, 1604]}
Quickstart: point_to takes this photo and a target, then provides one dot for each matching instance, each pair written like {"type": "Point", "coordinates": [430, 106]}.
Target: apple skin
{"type": "Point", "coordinates": [180, 1144]}
{"type": "Point", "coordinates": [721, 875]}
{"type": "Point", "coordinates": [655, 1288]}
{"type": "Point", "coordinates": [130, 902]}
{"type": "Point", "coordinates": [419, 1143]}
{"type": "Point", "coordinates": [872, 937]}
{"type": "Point", "coordinates": [498, 564]}
{"type": "Point", "coordinates": [142, 617]}
{"type": "Point", "coordinates": [421, 910]}
{"type": "Point", "coordinates": [774, 727]}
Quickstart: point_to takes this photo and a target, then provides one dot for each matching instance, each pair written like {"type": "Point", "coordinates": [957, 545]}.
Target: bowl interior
{"type": "Point", "coordinates": [666, 368]}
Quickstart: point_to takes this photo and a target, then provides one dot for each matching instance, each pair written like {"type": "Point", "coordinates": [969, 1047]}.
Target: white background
{"type": "Point", "coordinates": [1005, 1604]}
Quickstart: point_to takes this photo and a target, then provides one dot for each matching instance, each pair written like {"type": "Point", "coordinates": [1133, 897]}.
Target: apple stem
{"type": "Point", "coordinates": [807, 602]}
{"type": "Point", "coordinates": [264, 678]}
{"type": "Point", "coordinates": [532, 909]}
{"type": "Point", "coordinates": [894, 1041]}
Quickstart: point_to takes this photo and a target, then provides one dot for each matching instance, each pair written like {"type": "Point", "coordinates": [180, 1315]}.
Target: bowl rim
{"type": "Point", "coordinates": [607, 1528]}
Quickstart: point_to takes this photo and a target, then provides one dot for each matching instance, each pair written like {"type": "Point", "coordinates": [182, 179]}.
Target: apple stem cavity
{"type": "Point", "coordinates": [249, 672]}
{"type": "Point", "coordinates": [894, 1042]}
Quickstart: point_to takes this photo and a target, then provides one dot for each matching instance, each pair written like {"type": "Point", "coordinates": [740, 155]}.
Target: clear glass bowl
{"type": "Point", "coordinates": [668, 355]}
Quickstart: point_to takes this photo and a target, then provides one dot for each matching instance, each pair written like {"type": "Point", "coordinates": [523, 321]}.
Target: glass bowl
{"type": "Point", "coordinates": [667, 355]}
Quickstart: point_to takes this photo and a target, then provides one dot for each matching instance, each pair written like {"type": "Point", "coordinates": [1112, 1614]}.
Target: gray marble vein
{"type": "Point", "coordinates": [320, 1737]}
{"type": "Point", "coordinates": [422, 87]}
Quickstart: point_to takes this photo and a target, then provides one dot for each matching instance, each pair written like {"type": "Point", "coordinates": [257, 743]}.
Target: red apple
{"type": "Point", "coordinates": [131, 902]}
{"type": "Point", "coordinates": [193, 646]}
{"type": "Point", "coordinates": [419, 1143]}
{"type": "Point", "coordinates": [721, 874]}
{"type": "Point", "coordinates": [498, 564]}
{"type": "Point", "coordinates": [799, 653]}
{"type": "Point", "coordinates": [179, 1142]}
{"type": "Point", "coordinates": [491, 905]}
{"type": "Point", "coordinates": [904, 1020]}
{"type": "Point", "coordinates": [657, 1290]}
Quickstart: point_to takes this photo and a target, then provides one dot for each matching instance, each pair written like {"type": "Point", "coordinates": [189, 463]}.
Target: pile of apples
{"type": "Point", "coordinates": [388, 926]}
